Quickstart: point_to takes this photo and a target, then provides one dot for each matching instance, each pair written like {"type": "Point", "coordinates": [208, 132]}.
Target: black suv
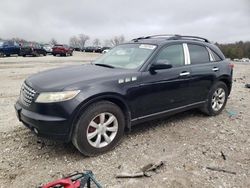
{"type": "Point", "coordinates": [147, 78]}
{"type": "Point", "coordinates": [32, 49]}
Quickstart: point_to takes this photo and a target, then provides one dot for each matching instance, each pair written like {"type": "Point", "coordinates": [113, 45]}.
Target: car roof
{"type": "Point", "coordinates": [161, 40]}
{"type": "Point", "coordinates": [165, 38]}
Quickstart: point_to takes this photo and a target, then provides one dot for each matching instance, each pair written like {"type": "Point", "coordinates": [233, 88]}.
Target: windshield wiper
{"type": "Point", "coordinates": [104, 65]}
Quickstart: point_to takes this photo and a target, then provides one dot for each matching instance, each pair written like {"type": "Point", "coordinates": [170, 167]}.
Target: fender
{"type": "Point", "coordinates": [116, 98]}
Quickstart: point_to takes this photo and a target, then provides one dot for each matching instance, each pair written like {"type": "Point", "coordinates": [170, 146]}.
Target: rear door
{"type": "Point", "coordinates": [204, 71]}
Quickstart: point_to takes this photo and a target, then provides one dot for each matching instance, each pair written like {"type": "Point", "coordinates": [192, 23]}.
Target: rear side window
{"type": "Point", "coordinates": [215, 56]}
{"type": "Point", "coordinates": [198, 54]}
{"type": "Point", "coordinates": [173, 54]}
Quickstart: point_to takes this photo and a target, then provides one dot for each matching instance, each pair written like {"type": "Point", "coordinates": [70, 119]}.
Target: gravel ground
{"type": "Point", "coordinates": [188, 142]}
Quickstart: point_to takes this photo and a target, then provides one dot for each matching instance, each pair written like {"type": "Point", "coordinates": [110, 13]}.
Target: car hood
{"type": "Point", "coordinates": [61, 78]}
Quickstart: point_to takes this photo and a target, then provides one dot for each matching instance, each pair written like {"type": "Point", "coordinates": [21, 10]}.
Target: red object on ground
{"type": "Point", "coordinates": [65, 183]}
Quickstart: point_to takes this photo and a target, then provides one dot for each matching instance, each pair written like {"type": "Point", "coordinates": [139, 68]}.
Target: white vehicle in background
{"type": "Point", "coordinates": [245, 60]}
{"type": "Point", "coordinates": [105, 51]}
{"type": "Point", "coordinates": [48, 48]}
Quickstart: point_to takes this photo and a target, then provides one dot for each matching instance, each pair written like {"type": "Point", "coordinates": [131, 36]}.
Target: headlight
{"type": "Point", "coordinates": [49, 97]}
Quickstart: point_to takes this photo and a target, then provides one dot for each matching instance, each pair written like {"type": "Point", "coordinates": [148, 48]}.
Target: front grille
{"type": "Point", "coordinates": [27, 94]}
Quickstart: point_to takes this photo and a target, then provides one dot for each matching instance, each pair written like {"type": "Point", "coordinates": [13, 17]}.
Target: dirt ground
{"type": "Point", "coordinates": [188, 143]}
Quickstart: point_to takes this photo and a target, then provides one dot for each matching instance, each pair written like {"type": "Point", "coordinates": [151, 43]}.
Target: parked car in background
{"type": "Point", "coordinates": [32, 49]}
{"type": "Point", "coordinates": [96, 49]}
{"type": "Point", "coordinates": [89, 49]}
{"type": "Point", "coordinates": [48, 48]}
{"type": "Point", "coordinates": [62, 50]}
{"type": "Point", "coordinates": [105, 49]}
{"type": "Point", "coordinates": [144, 79]}
{"type": "Point", "coordinates": [76, 49]}
{"type": "Point", "coordinates": [8, 48]}
{"type": "Point", "coordinates": [245, 60]}
{"type": "Point", "coordinates": [1, 46]}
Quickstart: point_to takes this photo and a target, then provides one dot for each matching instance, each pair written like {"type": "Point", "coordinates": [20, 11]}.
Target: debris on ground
{"type": "Point", "coordinates": [232, 114]}
{"type": "Point", "coordinates": [247, 85]}
{"type": "Point", "coordinates": [223, 155]}
{"type": "Point", "coordinates": [220, 170]}
{"type": "Point", "coordinates": [143, 172]}
{"type": "Point", "coordinates": [75, 180]}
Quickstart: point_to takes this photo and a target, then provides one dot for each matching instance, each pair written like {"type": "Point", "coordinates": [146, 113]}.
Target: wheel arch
{"type": "Point", "coordinates": [111, 97]}
{"type": "Point", "coordinates": [226, 79]}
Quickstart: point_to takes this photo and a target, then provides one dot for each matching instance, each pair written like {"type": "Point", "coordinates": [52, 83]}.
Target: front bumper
{"type": "Point", "coordinates": [44, 125]}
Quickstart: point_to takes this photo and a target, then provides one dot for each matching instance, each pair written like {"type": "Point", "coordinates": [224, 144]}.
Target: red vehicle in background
{"type": "Point", "coordinates": [62, 50]}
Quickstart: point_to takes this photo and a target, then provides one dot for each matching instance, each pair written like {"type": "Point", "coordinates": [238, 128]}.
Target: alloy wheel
{"type": "Point", "coordinates": [102, 130]}
{"type": "Point", "coordinates": [218, 99]}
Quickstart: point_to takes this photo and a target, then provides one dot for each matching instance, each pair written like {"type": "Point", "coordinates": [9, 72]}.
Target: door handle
{"type": "Point", "coordinates": [184, 73]}
{"type": "Point", "coordinates": [215, 69]}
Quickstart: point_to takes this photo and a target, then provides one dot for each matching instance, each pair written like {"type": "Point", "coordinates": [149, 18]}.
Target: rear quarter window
{"type": "Point", "coordinates": [198, 54]}
{"type": "Point", "coordinates": [215, 56]}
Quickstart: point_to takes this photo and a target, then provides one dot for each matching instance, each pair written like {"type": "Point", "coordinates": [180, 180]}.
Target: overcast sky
{"type": "Point", "coordinates": [41, 20]}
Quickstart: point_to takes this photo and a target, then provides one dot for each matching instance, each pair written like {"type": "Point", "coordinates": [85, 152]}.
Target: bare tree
{"type": "Point", "coordinates": [19, 40]}
{"type": "Point", "coordinates": [82, 40]}
{"type": "Point", "coordinates": [74, 42]}
{"type": "Point", "coordinates": [53, 41]}
{"type": "Point", "coordinates": [117, 40]}
{"type": "Point", "coordinates": [106, 43]}
{"type": "Point", "coordinates": [96, 42]}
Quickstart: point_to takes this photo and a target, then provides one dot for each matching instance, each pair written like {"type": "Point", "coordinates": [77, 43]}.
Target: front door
{"type": "Point", "coordinates": [164, 89]}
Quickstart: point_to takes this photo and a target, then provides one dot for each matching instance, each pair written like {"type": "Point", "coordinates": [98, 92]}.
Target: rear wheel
{"type": "Point", "coordinates": [217, 99]}
{"type": "Point", "coordinates": [99, 129]}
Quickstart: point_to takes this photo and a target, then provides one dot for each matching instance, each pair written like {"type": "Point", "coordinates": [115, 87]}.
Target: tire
{"type": "Point", "coordinates": [214, 96]}
{"type": "Point", "coordinates": [93, 114]}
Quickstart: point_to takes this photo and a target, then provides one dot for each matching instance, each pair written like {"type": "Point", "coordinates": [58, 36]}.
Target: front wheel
{"type": "Point", "coordinates": [217, 99]}
{"type": "Point", "coordinates": [99, 129]}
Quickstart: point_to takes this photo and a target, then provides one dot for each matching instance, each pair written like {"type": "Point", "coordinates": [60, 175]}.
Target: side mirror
{"type": "Point", "coordinates": [159, 65]}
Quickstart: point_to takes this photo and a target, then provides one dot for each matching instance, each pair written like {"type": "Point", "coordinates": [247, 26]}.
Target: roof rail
{"type": "Point", "coordinates": [172, 37]}
{"type": "Point", "coordinates": [194, 37]}
{"type": "Point", "coordinates": [162, 35]}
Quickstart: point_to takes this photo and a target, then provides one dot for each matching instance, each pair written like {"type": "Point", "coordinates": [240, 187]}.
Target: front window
{"type": "Point", "coordinates": [173, 55]}
{"type": "Point", "coordinates": [128, 56]}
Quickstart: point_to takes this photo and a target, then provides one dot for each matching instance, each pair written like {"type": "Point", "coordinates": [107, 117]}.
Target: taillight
{"type": "Point", "coordinates": [231, 65]}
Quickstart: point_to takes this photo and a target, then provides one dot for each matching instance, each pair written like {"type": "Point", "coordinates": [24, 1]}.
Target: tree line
{"type": "Point", "coordinates": [235, 50]}
{"type": "Point", "coordinates": [79, 41]}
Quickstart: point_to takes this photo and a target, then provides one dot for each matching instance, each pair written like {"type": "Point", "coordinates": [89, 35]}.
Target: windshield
{"type": "Point", "coordinates": [128, 56]}
{"type": "Point", "coordinates": [1, 43]}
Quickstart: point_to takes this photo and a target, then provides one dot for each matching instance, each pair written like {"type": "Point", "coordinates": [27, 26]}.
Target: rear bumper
{"type": "Point", "coordinates": [44, 125]}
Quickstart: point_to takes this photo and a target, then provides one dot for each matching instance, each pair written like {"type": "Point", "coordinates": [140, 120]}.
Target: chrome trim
{"type": "Point", "coordinates": [165, 111]}
{"type": "Point", "coordinates": [27, 94]}
{"type": "Point", "coordinates": [215, 69]}
{"type": "Point", "coordinates": [186, 54]}
{"type": "Point", "coordinates": [211, 57]}
{"type": "Point", "coordinates": [184, 73]}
